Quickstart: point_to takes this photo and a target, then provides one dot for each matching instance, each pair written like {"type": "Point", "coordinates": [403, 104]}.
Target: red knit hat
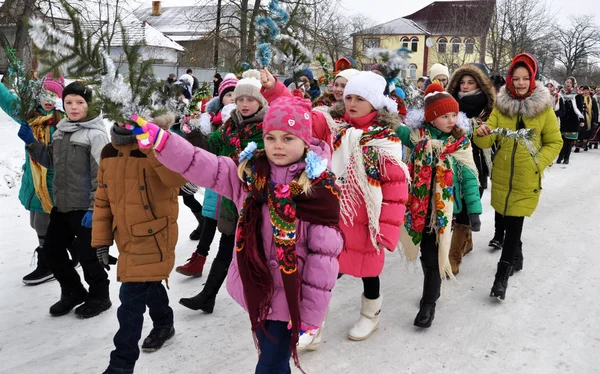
{"type": "Point", "coordinates": [56, 85]}
{"type": "Point", "coordinates": [438, 102]}
{"type": "Point", "coordinates": [529, 63]}
{"type": "Point", "coordinates": [290, 114]}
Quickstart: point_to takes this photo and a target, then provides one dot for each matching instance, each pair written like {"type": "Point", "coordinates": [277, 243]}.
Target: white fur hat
{"type": "Point", "coordinates": [438, 69]}
{"type": "Point", "coordinates": [371, 86]}
{"type": "Point", "coordinates": [250, 85]}
{"type": "Point", "coordinates": [347, 74]}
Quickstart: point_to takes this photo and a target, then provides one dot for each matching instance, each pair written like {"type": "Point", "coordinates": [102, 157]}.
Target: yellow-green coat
{"type": "Point", "coordinates": [517, 174]}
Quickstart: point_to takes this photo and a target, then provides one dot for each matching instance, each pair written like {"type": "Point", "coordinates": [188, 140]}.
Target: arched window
{"type": "Point", "coordinates": [414, 44]}
{"type": "Point", "coordinates": [403, 73]}
{"type": "Point", "coordinates": [404, 42]}
{"type": "Point", "coordinates": [455, 45]}
{"type": "Point", "coordinates": [412, 71]}
{"type": "Point", "coordinates": [469, 45]}
{"type": "Point", "coordinates": [442, 45]}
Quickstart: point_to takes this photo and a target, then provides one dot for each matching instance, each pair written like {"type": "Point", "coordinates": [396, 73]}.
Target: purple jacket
{"type": "Point", "coordinates": [317, 246]}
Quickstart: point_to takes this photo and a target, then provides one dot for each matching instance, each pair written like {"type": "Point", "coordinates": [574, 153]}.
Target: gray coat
{"type": "Point", "coordinates": [74, 154]}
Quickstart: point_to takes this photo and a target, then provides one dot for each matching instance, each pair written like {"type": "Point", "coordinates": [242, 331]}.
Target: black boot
{"type": "Point", "coordinates": [41, 273]}
{"type": "Point", "coordinates": [157, 338]}
{"type": "Point", "coordinates": [205, 300]}
{"type": "Point", "coordinates": [93, 307]}
{"type": "Point", "coordinates": [431, 292]}
{"type": "Point", "coordinates": [518, 263]}
{"type": "Point", "coordinates": [501, 280]}
{"type": "Point", "coordinates": [560, 160]}
{"type": "Point", "coordinates": [68, 301]}
{"type": "Point", "coordinates": [195, 235]}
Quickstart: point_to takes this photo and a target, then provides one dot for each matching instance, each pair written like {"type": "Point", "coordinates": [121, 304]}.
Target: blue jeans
{"type": "Point", "coordinates": [274, 351]}
{"type": "Point", "coordinates": [135, 296]}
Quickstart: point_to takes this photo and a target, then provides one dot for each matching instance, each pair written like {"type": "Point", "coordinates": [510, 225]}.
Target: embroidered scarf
{"type": "Point", "coordinates": [286, 202]}
{"type": "Point", "coordinates": [41, 130]}
{"type": "Point", "coordinates": [432, 191]}
{"type": "Point", "coordinates": [359, 163]}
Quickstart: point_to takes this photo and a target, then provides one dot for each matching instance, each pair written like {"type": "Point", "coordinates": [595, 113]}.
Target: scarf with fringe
{"type": "Point", "coordinates": [359, 159]}
{"type": "Point", "coordinates": [432, 191]}
{"type": "Point", "coordinates": [286, 202]}
{"type": "Point", "coordinates": [41, 130]}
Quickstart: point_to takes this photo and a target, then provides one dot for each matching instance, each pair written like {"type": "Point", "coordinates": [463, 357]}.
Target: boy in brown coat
{"type": "Point", "coordinates": [136, 206]}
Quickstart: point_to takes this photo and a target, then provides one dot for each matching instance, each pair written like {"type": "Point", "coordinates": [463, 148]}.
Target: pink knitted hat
{"type": "Point", "coordinates": [290, 114]}
{"type": "Point", "coordinates": [228, 84]}
{"type": "Point", "coordinates": [55, 85]}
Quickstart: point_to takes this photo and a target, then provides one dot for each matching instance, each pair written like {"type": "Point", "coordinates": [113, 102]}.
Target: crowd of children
{"type": "Point", "coordinates": [303, 192]}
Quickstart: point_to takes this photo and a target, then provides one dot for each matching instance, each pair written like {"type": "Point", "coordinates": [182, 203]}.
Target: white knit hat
{"type": "Point", "coordinates": [438, 69]}
{"type": "Point", "coordinates": [250, 85]}
{"type": "Point", "coordinates": [371, 86]}
{"type": "Point", "coordinates": [347, 74]}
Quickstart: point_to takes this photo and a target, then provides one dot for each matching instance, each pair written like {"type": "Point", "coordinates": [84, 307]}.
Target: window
{"type": "Point", "coordinates": [370, 43]}
{"type": "Point", "coordinates": [414, 44]}
{"type": "Point", "coordinates": [455, 45]}
{"type": "Point", "coordinates": [404, 42]}
{"type": "Point", "coordinates": [469, 46]}
{"type": "Point", "coordinates": [442, 45]}
{"type": "Point", "coordinates": [412, 71]}
{"type": "Point", "coordinates": [403, 73]}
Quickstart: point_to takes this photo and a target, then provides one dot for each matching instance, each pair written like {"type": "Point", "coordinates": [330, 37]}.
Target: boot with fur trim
{"type": "Point", "coordinates": [368, 321]}
{"type": "Point", "coordinates": [468, 247]}
{"type": "Point", "coordinates": [458, 246]}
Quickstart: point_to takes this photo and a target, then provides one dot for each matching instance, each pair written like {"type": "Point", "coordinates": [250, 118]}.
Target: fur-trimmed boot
{"type": "Point", "coordinates": [312, 342]}
{"type": "Point", "coordinates": [368, 321]}
{"type": "Point", "coordinates": [460, 237]}
{"type": "Point", "coordinates": [431, 292]}
{"type": "Point", "coordinates": [501, 280]}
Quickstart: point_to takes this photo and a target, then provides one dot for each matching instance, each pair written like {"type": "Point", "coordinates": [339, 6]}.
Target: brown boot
{"type": "Point", "coordinates": [459, 238]}
{"type": "Point", "coordinates": [468, 241]}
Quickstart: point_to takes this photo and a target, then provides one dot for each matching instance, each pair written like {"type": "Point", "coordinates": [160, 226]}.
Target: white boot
{"type": "Point", "coordinates": [308, 342]}
{"type": "Point", "coordinates": [368, 321]}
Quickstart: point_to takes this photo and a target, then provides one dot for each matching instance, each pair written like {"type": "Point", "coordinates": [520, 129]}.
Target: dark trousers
{"type": "Point", "coordinates": [135, 296]}
{"type": "Point", "coordinates": [499, 227]}
{"type": "Point", "coordinates": [431, 268]}
{"type": "Point", "coordinates": [65, 230]}
{"type": "Point", "coordinates": [274, 349]}
{"type": "Point", "coordinates": [207, 236]}
{"type": "Point", "coordinates": [565, 152]}
{"type": "Point", "coordinates": [226, 248]}
{"type": "Point", "coordinates": [371, 286]}
{"type": "Point", "coordinates": [512, 238]}
{"type": "Point", "coordinates": [191, 202]}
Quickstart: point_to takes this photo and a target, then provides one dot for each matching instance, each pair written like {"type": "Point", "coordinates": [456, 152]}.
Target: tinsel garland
{"type": "Point", "coordinates": [268, 30]}
{"type": "Point", "coordinates": [524, 136]}
{"type": "Point", "coordinates": [327, 76]}
{"type": "Point", "coordinates": [390, 62]}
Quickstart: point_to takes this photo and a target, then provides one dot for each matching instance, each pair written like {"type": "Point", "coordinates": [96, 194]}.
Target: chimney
{"type": "Point", "coordinates": [156, 8]}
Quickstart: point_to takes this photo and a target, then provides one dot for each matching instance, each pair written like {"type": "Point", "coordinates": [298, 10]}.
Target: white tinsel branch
{"type": "Point", "coordinates": [40, 33]}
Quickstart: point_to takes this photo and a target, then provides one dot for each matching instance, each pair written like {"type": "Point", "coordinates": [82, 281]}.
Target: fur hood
{"type": "Point", "coordinates": [483, 82]}
{"type": "Point", "coordinates": [384, 117]}
{"type": "Point", "coordinates": [415, 119]}
{"type": "Point", "coordinates": [530, 107]}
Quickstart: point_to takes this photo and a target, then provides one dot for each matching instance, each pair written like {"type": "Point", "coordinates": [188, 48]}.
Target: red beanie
{"type": "Point", "coordinates": [438, 102]}
{"type": "Point", "coordinates": [527, 61]}
{"type": "Point", "coordinates": [290, 114]}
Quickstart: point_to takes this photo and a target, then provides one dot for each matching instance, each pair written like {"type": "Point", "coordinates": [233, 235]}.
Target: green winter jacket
{"type": "Point", "coordinates": [516, 174]}
{"type": "Point", "coordinates": [27, 194]}
{"type": "Point", "coordinates": [466, 186]}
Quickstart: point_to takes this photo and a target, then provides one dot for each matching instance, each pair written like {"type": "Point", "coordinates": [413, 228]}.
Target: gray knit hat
{"type": "Point", "coordinates": [250, 85]}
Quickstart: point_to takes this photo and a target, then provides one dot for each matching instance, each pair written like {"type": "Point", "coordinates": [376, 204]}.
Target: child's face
{"type": "Point", "coordinates": [521, 80]}
{"type": "Point", "coordinates": [283, 148]}
{"type": "Point", "coordinates": [339, 85]}
{"type": "Point", "coordinates": [247, 105]}
{"type": "Point", "coordinates": [76, 107]}
{"type": "Point", "coordinates": [357, 106]}
{"type": "Point", "coordinates": [446, 122]}
{"type": "Point", "coordinates": [228, 98]}
{"type": "Point", "coordinates": [47, 105]}
{"type": "Point", "coordinates": [468, 84]}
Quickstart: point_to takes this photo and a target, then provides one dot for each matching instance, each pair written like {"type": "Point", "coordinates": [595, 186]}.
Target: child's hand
{"type": "Point", "coordinates": [484, 130]}
{"type": "Point", "coordinates": [266, 79]}
{"type": "Point", "coordinates": [148, 134]}
{"type": "Point", "coordinates": [103, 256]}
{"type": "Point", "coordinates": [475, 222]}
{"type": "Point", "coordinates": [26, 134]}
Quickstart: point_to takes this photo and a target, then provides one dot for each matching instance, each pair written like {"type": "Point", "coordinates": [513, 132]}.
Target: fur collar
{"type": "Point", "coordinates": [530, 107]}
{"type": "Point", "coordinates": [384, 117]}
{"type": "Point", "coordinates": [483, 81]}
{"type": "Point", "coordinates": [415, 119]}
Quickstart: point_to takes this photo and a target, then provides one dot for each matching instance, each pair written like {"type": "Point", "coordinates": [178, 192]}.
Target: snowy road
{"type": "Point", "coordinates": [548, 323]}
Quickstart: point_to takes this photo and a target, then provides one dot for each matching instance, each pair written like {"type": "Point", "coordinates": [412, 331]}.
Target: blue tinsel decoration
{"type": "Point", "coordinates": [264, 54]}
{"type": "Point", "coordinates": [267, 29]}
{"type": "Point", "coordinates": [279, 14]}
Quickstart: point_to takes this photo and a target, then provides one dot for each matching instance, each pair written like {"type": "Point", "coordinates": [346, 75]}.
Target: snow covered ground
{"type": "Point", "coordinates": [548, 323]}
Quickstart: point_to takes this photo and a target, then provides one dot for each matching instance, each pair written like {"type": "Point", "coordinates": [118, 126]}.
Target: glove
{"type": "Point", "coordinates": [103, 256]}
{"type": "Point", "coordinates": [148, 134]}
{"type": "Point", "coordinates": [25, 133]}
{"type": "Point", "coordinates": [475, 222]}
{"type": "Point", "coordinates": [86, 221]}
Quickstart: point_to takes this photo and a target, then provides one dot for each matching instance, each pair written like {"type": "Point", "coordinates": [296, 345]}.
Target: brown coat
{"type": "Point", "coordinates": [136, 206]}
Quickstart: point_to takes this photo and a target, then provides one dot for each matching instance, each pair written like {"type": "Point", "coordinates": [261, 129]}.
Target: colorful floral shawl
{"type": "Point", "coordinates": [286, 202]}
{"type": "Point", "coordinates": [431, 171]}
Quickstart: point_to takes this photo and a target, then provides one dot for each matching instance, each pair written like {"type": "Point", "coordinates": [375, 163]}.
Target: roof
{"type": "Point", "coordinates": [141, 31]}
{"type": "Point", "coordinates": [401, 26]}
{"type": "Point", "coordinates": [467, 17]}
{"type": "Point", "coordinates": [187, 22]}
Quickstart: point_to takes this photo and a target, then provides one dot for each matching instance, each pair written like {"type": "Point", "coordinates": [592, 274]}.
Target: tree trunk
{"type": "Point", "coordinates": [243, 29]}
{"type": "Point", "coordinates": [217, 35]}
{"type": "Point", "coordinates": [252, 32]}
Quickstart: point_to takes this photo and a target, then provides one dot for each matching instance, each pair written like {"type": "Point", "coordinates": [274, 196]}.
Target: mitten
{"type": "Point", "coordinates": [86, 221]}
{"type": "Point", "coordinates": [204, 124]}
{"type": "Point", "coordinates": [103, 256]}
{"type": "Point", "coordinates": [25, 133]}
{"type": "Point", "coordinates": [475, 222]}
{"type": "Point", "coordinates": [148, 134]}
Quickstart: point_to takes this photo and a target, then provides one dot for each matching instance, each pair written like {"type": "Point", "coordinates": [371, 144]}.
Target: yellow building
{"type": "Point", "coordinates": [449, 32]}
